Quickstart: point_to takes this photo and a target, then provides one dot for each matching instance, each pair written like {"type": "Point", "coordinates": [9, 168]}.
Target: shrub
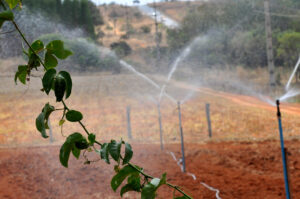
{"type": "Point", "coordinates": [289, 47]}
{"type": "Point", "coordinates": [145, 29]}
{"type": "Point", "coordinates": [121, 48]}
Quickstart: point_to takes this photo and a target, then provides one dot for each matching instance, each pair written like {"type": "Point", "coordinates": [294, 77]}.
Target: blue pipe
{"type": "Point", "coordinates": [285, 173]}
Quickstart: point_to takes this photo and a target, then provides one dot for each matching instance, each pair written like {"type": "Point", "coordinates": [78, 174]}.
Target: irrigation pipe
{"type": "Point", "coordinates": [284, 162]}
{"type": "Point", "coordinates": [194, 176]}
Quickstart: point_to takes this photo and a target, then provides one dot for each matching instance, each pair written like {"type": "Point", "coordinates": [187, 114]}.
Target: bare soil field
{"type": "Point", "coordinates": [236, 169]}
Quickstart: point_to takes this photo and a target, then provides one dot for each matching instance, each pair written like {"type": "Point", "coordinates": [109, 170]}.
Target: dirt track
{"type": "Point", "coordinates": [242, 99]}
{"type": "Point", "coordinates": [238, 170]}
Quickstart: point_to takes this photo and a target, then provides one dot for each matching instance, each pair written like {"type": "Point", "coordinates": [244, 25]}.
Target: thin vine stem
{"type": "Point", "coordinates": [81, 124]}
{"type": "Point", "coordinates": [130, 164]}
{"type": "Point", "coordinates": [151, 177]}
{"type": "Point", "coordinates": [27, 43]}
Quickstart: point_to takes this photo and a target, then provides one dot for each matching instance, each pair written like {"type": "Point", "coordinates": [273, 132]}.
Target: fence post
{"type": "Point", "coordinates": [181, 135]}
{"type": "Point", "coordinates": [160, 127]}
{"type": "Point", "coordinates": [208, 120]}
{"type": "Point", "coordinates": [50, 131]}
{"type": "Point", "coordinates": [128, 123]}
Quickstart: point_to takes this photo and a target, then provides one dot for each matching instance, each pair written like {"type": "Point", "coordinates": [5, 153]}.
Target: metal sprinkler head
{"type": "Point", "coordinates": [278, 108]}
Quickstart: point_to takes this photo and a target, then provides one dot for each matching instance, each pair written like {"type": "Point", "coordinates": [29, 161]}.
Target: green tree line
{"type": "Point", "coordinates": [235, 32]}
{"type": "Point", "coordinates": [73, 13]}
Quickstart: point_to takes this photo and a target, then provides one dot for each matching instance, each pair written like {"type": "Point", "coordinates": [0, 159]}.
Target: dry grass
{"type": "Point", "coordinates": [177, 10]}
{"type": "Point", "coordinates": [138, 39]}
{"type": "Point", "coordinates": [103, 100]}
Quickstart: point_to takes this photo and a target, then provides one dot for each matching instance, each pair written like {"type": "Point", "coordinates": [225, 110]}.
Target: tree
{"type": "Point", "coordinates": [289, 47]}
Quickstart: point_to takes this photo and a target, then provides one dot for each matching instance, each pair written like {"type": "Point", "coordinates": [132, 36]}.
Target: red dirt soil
{"type": "Point", "coordinates": [237, 169]}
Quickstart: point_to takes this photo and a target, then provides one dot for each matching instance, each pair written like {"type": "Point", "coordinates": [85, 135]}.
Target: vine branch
{"type": "Point", "coordinates": [81, 124]}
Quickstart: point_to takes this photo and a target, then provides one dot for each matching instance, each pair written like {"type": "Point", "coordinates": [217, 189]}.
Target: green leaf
{"type": "Point", "coordinates": [121, 176]}
{"type": "Point", "coordinates": [82, 144]}
{"type": "Point", "coordinates": [56, 47]}
{"type": "Point", "coordinates": [114, 149]}
{"type": "Point", "coordinates": [50, 61]}
{"type": "Point", "coordinates": [104, 153]}
{"type": "Point", "coordinates": [37, 46]}
{"type": "Point", "coordinates": [75, 137]}
{"type": "Point", "coordinates": [128, 153]}
{"type": "Point", "coordinates": [40, 124]}
{"type": "Point", "coordinates": [181, 197]}
{"type": "Point", "coordinates": [64, 153]}
{"type": "Point", "coordinates": [13, 3]}
{"type": "Point", "coordinates": [21, 74]}
{"type": "Point", "coordinates": [92, 138]}
{"type": "Point", "coordinates": [134, 184]}
{"type": "Point", "coordinates": [61, 122]}
{"type": "Point", "coordinates": [47, 110]}
{"type": "Point", "coordinates": [74, 116]}
{"type": "Point", "coordinates": [76, 151]}
{"type": "Point", "coordinates": [149, 190]}
{"type": "Point", "coordinates": [7, 15]}
{"type": "Point", "coordinates": [59, 87]}
{"type": "Point", "coordinates": [68, 146]}
{"type": "Point", "coordinates": [41, 121]}
{"type": "Point", "coordinates": [68, 80]}
{"type": "Point", "coordinates": [48, 80]}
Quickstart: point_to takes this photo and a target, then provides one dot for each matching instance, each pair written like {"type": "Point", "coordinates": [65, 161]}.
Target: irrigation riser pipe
{"type": "Point", "coordinates": [283, 153]}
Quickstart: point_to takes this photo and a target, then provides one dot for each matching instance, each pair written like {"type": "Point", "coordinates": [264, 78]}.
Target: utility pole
{"type": "Point", "coordinates": [157, 40]}
{"type": "Point", "coordinates": [270, 55]}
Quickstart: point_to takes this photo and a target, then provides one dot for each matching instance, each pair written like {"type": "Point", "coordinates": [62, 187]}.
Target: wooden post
{"type": "Point", "coordinates": [157, 39]}
{"type": "Point", "coordinates": [128, 123]}
{"type": "Point", "coordinates": [208, 120]}
{"type": "Point", "coordinates": [50, 131]}
{"type": "Point", "coordinates": [181, 135]}
{"type": "Point", "coordinates": [160, 127]}
{"type": "Point", "coordinates": [270, 55]}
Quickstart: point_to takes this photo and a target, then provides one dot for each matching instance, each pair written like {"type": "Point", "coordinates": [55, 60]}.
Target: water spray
{"type": "Point", "coordinates": [292, 75]}
{"type": "Point", "coordinates": [181, 135]}
{"type": "Point", "coordinates": [285, 173]}
{"type": "Point", "coordinates": [150, 81]}
{"type": "Point", "coordinates": [160, 127]}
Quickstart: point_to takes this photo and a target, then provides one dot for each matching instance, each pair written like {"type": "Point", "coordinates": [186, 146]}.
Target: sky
{"type": "Point", "coordinates": [128, 2]}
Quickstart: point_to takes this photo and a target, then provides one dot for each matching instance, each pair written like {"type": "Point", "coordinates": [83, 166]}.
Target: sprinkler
{"type": "Point", "coordinates": [160, 127]}
{"type": "Point", "coordinates": [181, 135]}
{"type": "Point", "coordinates": [285, 173]}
